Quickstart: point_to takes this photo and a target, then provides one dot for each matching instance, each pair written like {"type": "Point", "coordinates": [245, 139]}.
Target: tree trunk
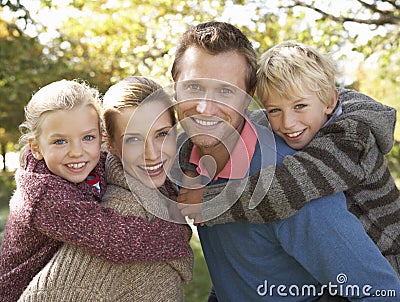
{"type": "Point", "coordinates": [3, 153]}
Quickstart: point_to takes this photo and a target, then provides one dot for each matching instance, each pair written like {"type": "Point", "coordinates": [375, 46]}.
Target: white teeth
{"type": "Point", "coordinates": [205, 123]}
{"type": "Point", "coordinates": [76, 166]}
{"type": "Point", "coordinates": [153, 168]}
{"type": "Point", "coordinates": [294, 134]}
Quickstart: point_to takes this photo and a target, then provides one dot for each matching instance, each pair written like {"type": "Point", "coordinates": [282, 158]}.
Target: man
{"type": "Point", "coordinates": [214, 68]}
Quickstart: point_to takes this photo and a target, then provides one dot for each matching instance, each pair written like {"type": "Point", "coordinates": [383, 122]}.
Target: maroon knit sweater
{"type": "Point", "coordinates": [46, 211]}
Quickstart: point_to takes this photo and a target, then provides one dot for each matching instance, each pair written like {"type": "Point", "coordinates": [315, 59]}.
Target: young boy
{"type": "Point", "coordinates": [343, 142]}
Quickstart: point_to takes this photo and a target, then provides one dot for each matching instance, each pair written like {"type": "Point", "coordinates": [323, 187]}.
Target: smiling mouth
{"type": "Point", "coordinates": [76, 165]}
{"type": "Point", "coordinates": [153, 167]}
{"type": "Point", "coordinates": [205, 123]}
{"type": "Point", "coordinates": [294, 134]}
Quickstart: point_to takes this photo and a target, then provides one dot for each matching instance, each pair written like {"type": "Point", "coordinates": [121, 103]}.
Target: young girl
{"type": "Point", "coordinates": [139, 122]}
{"type": "Point", "coordinates": [59, 185]}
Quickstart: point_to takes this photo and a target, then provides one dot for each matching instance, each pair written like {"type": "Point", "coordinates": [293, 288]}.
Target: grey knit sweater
{"type": "Point", "coordinates": [347, 155]}
{"type": "Point", "coordinates": [76, 275]}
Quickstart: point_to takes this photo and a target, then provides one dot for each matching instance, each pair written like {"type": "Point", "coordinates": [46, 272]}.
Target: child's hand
{"type": "Point", "coordinates": [189, 200]}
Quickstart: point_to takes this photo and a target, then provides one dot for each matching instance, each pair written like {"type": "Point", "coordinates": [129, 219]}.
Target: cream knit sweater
{"type": "Point", "coordinates": [75, 275]}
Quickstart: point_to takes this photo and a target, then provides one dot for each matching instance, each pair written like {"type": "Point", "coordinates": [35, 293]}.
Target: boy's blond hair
{"type": "Point", "coordinates": [289, 66]}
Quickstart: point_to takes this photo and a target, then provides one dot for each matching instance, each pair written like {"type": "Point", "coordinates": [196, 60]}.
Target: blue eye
{"type": "Point", "coordinates": [60, 141]}
{"type": "Point", "coordinates": [131, 139]}
{"type": "Point", "coordinates": [194, 87]}
{"type": "Point", "coordinates": [89, 137]}
{"type": "Point", "coordinates": [300, 106]}
{"type": "Point", "coordinates": [274, 110]}
{"type": "Point", "coordinates": [226, 91]}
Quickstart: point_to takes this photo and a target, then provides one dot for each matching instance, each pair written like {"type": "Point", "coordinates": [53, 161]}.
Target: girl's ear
{"type": "Point", "coordinates": [333, 101]}
{"type": "Point", "coordinates": [35, 149]}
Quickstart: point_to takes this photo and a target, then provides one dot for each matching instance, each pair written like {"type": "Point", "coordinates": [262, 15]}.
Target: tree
{"type": "Point", "coordinates": [24, 68]}
{"type": "Point", "coordinates": [105, 41]}
{"type": "Point", "coordinates": [127, 38]}
{"type": "Point", "coordinates": [380, 17]}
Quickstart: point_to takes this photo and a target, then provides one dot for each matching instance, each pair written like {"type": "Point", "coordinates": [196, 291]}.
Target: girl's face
{"type": "Point", "coordinates": [69, 142]}
{"type": "Point", "coordinates": [145, 141]}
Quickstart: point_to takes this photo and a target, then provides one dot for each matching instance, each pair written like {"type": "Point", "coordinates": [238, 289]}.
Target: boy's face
{"type": "Point", "coordinates": [297, 120]}
{"type": "Point", "coordinates": [145, 141]}
{"type": "Point", "coordinates": [69, 142]}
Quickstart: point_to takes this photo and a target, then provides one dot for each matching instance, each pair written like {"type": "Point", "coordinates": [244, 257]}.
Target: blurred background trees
{"type": "Point", "coordinates": [106, 40]}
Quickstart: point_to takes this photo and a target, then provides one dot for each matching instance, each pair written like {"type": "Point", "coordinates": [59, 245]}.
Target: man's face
{"type": "Point", "coordinates": [211, 96]}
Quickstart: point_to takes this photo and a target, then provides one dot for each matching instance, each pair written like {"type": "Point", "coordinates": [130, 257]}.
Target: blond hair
{"type": "Point", "coordinates": [59, 95]}
{"type": "Point", "coordinates": [286, 67]}
{"type": "Point", "coordinates": [131, 92]}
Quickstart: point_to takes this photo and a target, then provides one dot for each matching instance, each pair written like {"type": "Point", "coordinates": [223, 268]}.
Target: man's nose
{"type": "Point", "coordinates": [207, 107]}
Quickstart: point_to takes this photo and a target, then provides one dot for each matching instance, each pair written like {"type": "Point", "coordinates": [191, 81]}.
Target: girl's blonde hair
{"type": "Point", "coordinates": [131, 92]}
{"type": "Point", "coordinates": [59, 95]}
{"type": "Point", "coordinates": [286, 67]}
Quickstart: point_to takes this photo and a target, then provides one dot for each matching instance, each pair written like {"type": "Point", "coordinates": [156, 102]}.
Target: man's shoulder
{"type": "Point", "coordinates": [270, 143]}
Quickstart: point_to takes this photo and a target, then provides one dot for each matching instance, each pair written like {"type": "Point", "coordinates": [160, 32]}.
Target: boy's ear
{"type": "Point", "coordinates": [35, 149]}
{"type": "Point", "coordinates": [333, 101]}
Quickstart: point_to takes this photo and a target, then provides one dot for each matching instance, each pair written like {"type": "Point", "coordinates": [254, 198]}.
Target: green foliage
{"type": "Point", "coordinates": [199, 289]}
{"type": "Point", "coordinates": [105, 41]}
{"type": "Point", "coordinates": [383, 84]}
{"type": "Point", "coordinates": [393, 159]}
{"type": "Point", "coordinates": [129, 38]}
{"type": "Point", "coordinates": [7, 187]}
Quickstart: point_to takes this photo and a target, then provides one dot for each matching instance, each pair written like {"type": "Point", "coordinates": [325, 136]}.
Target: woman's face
{"type": "Point", "coordinates": [145, 141]}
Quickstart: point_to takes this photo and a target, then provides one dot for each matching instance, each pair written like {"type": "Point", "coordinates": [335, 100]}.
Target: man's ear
{"type": "Point", "coordinates": [35, 149]}
{"type": "Point", "coordinates": [333, 101]}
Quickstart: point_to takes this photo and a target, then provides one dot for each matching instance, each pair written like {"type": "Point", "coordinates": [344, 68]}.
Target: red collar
{"type": "Point", "coordinates": [239, 162]}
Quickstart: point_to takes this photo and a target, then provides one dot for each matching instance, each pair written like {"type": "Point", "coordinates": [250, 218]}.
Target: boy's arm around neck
{"type": "Point", "coordinates": [332, 162]}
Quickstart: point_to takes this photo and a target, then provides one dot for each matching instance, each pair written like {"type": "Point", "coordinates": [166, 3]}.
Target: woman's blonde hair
{"type": "Point", "coordinates": [286, 67]}
{"type": "Point", "coordinates": [59, 95]}
{"type": "Point", "coordinates": [131, 92]}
